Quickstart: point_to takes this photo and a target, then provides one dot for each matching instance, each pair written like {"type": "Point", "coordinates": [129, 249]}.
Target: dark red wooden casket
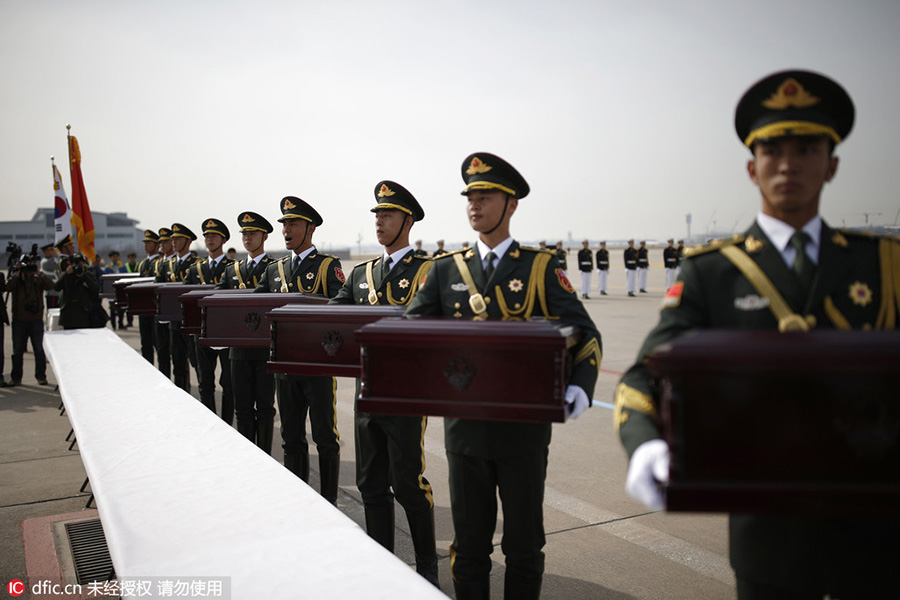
{"type": "Point", "coordinates": [321, 340]}
{"type": "Point", "coordinates": [762, 422]}
{"type": "Point", "coordinates": [168, 300]}
{"type": "Point", "coordinates": [239, 320]}
{"type": "Point", "coordinates": [108, 279]}
{"type": "Point", "coordinates": [191, 312]}
{"type": "Point", "coordinates": [119, 297]}
{"type": "Point", "coordinates": [494, 370]}
{"type": "Point", "coordinates": [141, 298]}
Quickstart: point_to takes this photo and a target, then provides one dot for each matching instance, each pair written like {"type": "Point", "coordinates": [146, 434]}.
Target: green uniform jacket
{"type": "Point", "coordinates": [199, 272]}
{"type": "Point", "coordinates": [147, 266]}
{"type": "Point", "coordinates": [173, 270]}
{"type": "Point", "coordinates": [317, 274]}
{"type": "Point", "coordinates": [527, 282]}
{"type": "Point", "coordinates": [855, 287]}
{"type": "Point", "coordinates": [397, 288]}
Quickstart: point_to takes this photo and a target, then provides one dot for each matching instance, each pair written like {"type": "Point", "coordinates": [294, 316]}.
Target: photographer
{"type": "Point", "coordinates": [80, 293]}
{"type": "Point", "coordinates": [27, 285]}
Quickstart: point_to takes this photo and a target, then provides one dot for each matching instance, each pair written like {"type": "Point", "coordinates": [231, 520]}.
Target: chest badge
{"type": "Point", "coordinates": [861, 294]}
{"type": "Point", "coordinates": [459, 287]}
{"type": "Point", "coordinates": [515, 285]}
{"type": "Point", "coordinates": [364, 285]}
{"type": "Point", "coordinates": [751, 302]}
{"type": "Point", "coordinates": [310, 275]}
{"type": "Point", "coordinates": [404, 283]}
{"type": "Point", "coordinates": [278, 279]}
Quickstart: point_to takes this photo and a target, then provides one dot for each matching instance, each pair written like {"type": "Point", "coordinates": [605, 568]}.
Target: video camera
{"type": "Point", "coordinates": [77, 263]}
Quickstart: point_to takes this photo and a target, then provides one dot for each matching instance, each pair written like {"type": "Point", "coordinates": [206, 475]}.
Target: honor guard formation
{"type": "Point", "coordinates": [789, 271]}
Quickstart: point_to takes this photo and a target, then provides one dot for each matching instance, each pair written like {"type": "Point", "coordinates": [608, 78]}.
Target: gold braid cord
{"type": "Point", "coordinates": [889, 255]}
{"type": "Point", "coordinates": [632, 399]}
{"type": "Point", "coordinates": [413, 287]}
{"type": "Point", "coordinates": [536, 291]}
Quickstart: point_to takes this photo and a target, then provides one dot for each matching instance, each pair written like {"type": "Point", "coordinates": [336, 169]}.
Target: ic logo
{"type": "Point", "coordinates": [15, 587]}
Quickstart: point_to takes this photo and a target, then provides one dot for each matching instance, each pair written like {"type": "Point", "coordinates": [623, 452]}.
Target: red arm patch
{"type": "Point", "coordinates": [673, 295]}
{"type": "Point", "coordinates": [340, 274]}
{"type": "Point", "coordinates": [564, 281]}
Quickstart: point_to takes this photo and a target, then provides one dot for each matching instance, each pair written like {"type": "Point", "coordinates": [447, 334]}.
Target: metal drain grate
{"type": "Point", "coordinates": [89, 551]}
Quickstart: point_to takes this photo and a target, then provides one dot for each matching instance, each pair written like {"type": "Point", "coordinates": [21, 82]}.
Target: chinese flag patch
{"type": "Point", "coordinates": [673, 295]}
{"type": "Point", "coordinates": [340, 274]}
{"type": "Point", "coordinates": [564, 281]}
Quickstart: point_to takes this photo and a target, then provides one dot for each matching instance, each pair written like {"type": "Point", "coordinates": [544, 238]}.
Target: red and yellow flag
{"type": "Point", "coordinates": [81, 211]}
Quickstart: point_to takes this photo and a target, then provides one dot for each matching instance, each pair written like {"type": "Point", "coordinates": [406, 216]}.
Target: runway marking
{"type": "Point", "coordinates": [675, 549]}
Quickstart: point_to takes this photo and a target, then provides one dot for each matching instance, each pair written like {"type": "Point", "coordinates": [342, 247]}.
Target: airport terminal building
{"type": "Point", "coordinates": [113, 231]}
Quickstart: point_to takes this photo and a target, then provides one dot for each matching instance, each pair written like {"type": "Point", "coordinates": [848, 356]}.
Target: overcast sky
{"type": "Point", "coordinates": [619, 114]}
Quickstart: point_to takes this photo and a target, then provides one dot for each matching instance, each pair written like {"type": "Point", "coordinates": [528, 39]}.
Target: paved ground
{"type": "Point", "coordinates": [600, 543]}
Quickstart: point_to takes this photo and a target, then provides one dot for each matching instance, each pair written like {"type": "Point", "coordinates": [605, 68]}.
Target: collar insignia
{"type": "Point", "coordinates": [404, 283]}
{"type": "Point", "coordinates": [385, 191]}
{"type": "Point", "coordinates": [459, 287]}
{"type": "Point", "coordinates": [515, 285]}
{"type": "Point", "coordinates": [477, 166]}
{"type": "Point", "coordinates": [515, 253]}
{"type": "Point", "coordinates": [751, 244]}
{"type": "Point", "coordinates": [470, 253]}
{"type": "Point", "coordinates": [288, 205]}
{"type": "Point", "coordinates": [861, 294]}
{"type": "Point", "coordinates": [839, 239]}
{"type": "Point", "coordinates": [790, 94]}
{"type": "Point", "coordinates": [751, 302]}
{"type": "Point", "coordinates": [408, 259]}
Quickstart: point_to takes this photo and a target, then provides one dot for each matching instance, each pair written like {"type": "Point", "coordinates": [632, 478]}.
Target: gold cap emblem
{"type": "Point", "coordinates": [288, 205]}
{"type": "Point", "coordinates": [477, 166]}
{"type": "Point", "coordinates": [210, 224]}
{"type": "Point", "coordinates": [247, 218]}
{"type": "Point", "coordinates": [176, 228]}
{"type": "Point", "coordinates": [385, 191]}
{"type": "Point", "coordinates": [790, 94]}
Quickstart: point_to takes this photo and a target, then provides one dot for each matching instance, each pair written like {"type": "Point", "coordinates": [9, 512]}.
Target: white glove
{"type": "Point", "coordinates": [576, 401]}
{"type": "Point", "coordinates": [648, 469]}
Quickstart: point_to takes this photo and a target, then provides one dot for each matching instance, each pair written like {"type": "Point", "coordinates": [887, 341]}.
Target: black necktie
{"type": "Point", "coordinates": [489, 267]}
{"type": "Point", "coordinates": [295, 263]}
{"type": "Point", "coordinates": [386, 267]}
{"type": "Point", "coordinates": [803, 266]}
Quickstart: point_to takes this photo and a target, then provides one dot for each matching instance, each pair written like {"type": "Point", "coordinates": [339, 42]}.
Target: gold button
{"type": "Point", "coordinates": [456, 305]}
{"type": "Point", "coordinates": [380, 294]}
{"type": "Point", "coordinates": [487, 300]}
{"type": "Point", "coordinates": [518, 305]}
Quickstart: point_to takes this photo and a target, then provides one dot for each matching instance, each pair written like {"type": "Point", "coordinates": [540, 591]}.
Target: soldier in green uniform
{"type": "Point", "coordinates": [308, 271]}
{"type": "Point", "coordinates": [211, 271]}
{"type": "Point", "coordinates": [825, 278]}
{"type": "Point", "coordinates": [172, 271]}
{"type": "Point", "coordinates": [253, 386]}
{"type": "Point", "coordinates": [503, 280]}
{"type": "Point", "coordinates": [161, 330]}
{"type": "Point", "coordinates": [389, 448]}
{"type": "Point", "coordinates": [146, 268]}
{"type": "Point", "coordinates": [419, 250]}
{"type": "Point", "coordinates": [440, 249]}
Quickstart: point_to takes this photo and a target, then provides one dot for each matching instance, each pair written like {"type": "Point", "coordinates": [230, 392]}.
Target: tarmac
{"type": "Point", "coordinates": [601, 544]}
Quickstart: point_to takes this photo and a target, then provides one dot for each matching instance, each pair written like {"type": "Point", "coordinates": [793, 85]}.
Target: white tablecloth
{"type": "Point", "coordinates": [180, 493]}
